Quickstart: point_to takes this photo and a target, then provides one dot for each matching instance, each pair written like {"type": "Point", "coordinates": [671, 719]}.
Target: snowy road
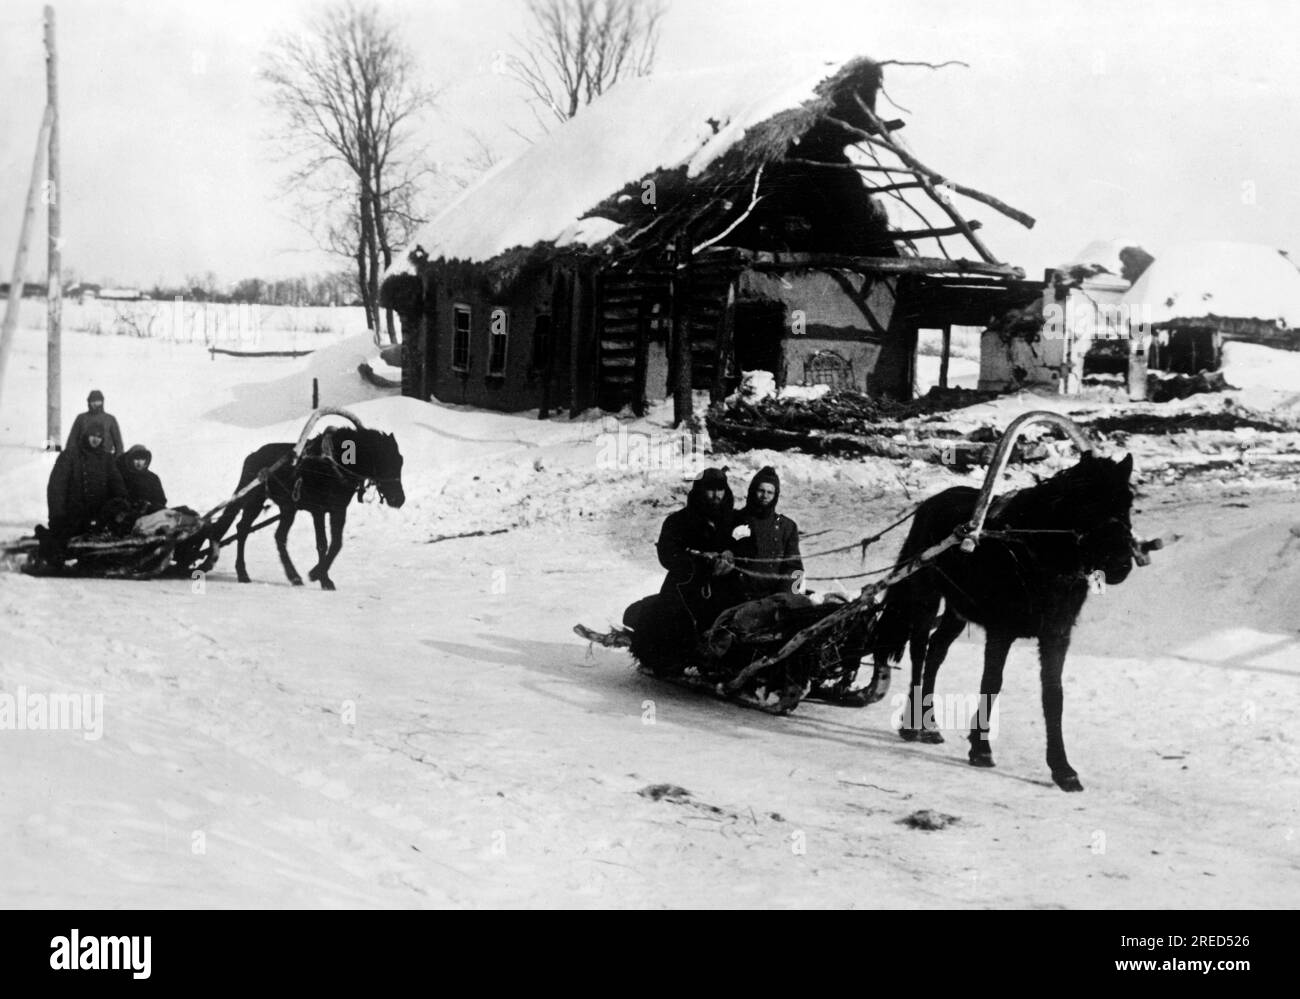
{"type": "Point", "coordinates": [432, 734]}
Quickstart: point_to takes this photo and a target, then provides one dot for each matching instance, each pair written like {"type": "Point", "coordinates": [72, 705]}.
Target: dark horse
{"type": "Point", "coordinates": [335, 466]}
{"type": "Point", "coordinates": [1028, 577]}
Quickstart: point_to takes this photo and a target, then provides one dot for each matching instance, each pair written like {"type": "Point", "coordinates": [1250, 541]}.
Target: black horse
{"type": "Point", "coordinates": [1027, 578]}
{"type": "Point", "coordinates": [335, 466]}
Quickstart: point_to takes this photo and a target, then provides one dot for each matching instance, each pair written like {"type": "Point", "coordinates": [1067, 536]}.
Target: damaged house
{"type": "Point", "coordinates": [1077, 327]}
{"type": "Point", "coordinates": [687, 227]}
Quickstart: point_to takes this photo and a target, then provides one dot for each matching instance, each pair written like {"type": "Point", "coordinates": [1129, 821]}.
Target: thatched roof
{"type": "Point", "coordinates": [700, 136]}
{"type": "Point", "coordinates": [642, 127]}
{"type": "Point", "coordinates": [1206, 281]}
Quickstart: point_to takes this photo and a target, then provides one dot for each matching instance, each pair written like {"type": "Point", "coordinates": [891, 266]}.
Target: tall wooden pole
{"type": "Point", "coordinates": [54, 272]}
{"type": "Point", "coordinates": [20, 258]}
{"type": "Point", "coordinates": [680, 291]}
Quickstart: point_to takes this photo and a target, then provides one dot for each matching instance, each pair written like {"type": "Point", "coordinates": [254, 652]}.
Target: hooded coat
{"type": "Point", "coordinates": [667, 627]}
{"type": "Point", "coordinates": [694, 528]}
{"type": "Point", "coordinates": [113, 435]}
{"type": "Point", "coordinates": [773, 540]}
{"type": "Point", "coordinates": [84, 480]}
{"type": "Point", "coordinates": [143, 487]}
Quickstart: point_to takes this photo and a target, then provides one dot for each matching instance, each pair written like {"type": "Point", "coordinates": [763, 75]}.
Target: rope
{"type": "Point", "coordinates": [1000, 535]}
{"type": "Point", "coordinates": [864, 544]}
{"type": "Point", "coordinates": [779, 577]}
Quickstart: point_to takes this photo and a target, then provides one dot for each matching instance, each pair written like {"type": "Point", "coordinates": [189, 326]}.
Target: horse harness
{"type": "Point", "coordinates": [336, 469]}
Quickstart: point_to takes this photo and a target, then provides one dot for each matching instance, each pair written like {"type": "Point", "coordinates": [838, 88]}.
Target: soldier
{"type": "Point", "coordinates": [144, 486]}
{"type": "Point", "coordinates": [768, 537]}
{"type": "Point", "coordinates": [95, 408]}
{"type": "Point", "coordinates": [84, 482]}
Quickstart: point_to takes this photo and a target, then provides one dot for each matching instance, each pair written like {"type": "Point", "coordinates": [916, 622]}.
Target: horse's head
{"type": "Point", "coordinates": [1102, 516]}
{"type": "Point", "coordinates": [384, 466]}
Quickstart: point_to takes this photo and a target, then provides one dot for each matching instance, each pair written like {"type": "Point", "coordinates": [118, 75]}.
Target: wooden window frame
{"type": "Point", "coordinates": [456, 310]}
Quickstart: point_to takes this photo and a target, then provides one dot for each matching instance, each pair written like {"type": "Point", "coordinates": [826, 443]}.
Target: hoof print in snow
{"type": "Point", "coordinates": [657, 792]}
{"type": "Point", "coordinates": [930, 821]}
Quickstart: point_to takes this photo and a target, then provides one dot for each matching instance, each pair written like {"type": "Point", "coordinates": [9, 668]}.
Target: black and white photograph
{"type": "Point", "coordinates": [650, 454]}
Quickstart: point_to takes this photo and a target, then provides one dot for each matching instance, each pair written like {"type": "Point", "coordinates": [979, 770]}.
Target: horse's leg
{"type": "Point", "coordinates": [1051, 658]}
{"type": "Point", "coordinates": [287, 513]}
{"type": "Point", "coordinates": [247, 515]}
{"type": "Point", "coordinates": [318, 520]}
{"type": "Point", "coordinates": [925, 607]}
{"type": "Point", "coordinates": [217, 531]}
{"type": "Point", "coordinates": [338, 517]}
{"type": "Point", "coordinates": [950, 626]}
{"type": "Point", "coordinates": [996, 646]}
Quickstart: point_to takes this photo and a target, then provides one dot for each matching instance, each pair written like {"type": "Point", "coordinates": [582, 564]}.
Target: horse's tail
{"type": "Point", "coordinates": [894, 625]}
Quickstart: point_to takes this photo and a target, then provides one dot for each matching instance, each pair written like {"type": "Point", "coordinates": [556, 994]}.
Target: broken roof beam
{"type": "Point", "coordinates": [952, 230]}
{"type": "Point", "coordinates": [902, 185]}
{"type": "Point", "coordinates": [864, 168]}
{"type": "Point", "coordinates": [860, 167]}
{"type": "Point", "coordinates": [921, 170]}
{"type": "Point", "coordinates": [769, 261]}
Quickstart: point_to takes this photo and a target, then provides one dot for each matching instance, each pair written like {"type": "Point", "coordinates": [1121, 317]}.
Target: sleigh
{"type": "Point", "coordinates": [776, 652]}
{"type": "Point", "coordinates": [173, 543]}
{"type": "Point", "coordinates": [165, 551]}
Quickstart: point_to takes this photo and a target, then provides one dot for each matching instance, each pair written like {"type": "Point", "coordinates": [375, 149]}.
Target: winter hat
{"type": "Point", "coordinates": [713, 477]}
{"type": "Point", "coordinates": [138, 451]}
{"type": "Point", "coordinates": [710, 478]}
{"type": "Point", "coordinates": [95, 396]}
{"type": "Point", "coordinates": [765, 474]}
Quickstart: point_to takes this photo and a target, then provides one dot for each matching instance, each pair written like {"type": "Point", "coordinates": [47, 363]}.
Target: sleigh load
{"type": "Point", "coordinates": [167, 543]}
{"type": "Point", "coordinates": [762, 653]}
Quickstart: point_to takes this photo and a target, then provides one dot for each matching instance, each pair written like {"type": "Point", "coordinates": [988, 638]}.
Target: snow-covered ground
{"type": "Point", "coordinates": [434, 734]}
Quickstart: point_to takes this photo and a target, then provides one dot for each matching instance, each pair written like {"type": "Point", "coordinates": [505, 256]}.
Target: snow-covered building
{"type": "Point", "coordinates": [752, 218]}
{"type": "Point", "coordinates": [1198, 294]}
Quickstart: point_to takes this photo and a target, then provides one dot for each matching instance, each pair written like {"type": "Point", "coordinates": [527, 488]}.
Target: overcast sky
{"type": "Point", "coordinates": [1159, 121]}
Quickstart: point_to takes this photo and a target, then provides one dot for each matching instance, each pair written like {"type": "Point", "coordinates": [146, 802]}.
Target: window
{"type": "Point", "coordinates": [828, 367]}
{"type": "Point", "coordinates": [542, 343]}
{"type": "Point", "coordinates": [498, 331]}
{"type": "Point", "coordinates": [460, 338]}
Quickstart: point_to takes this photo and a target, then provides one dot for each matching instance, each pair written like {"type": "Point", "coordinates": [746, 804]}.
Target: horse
{"type": "Point", "coordinates": [335, 466]}
{"type": "Point", "coordinates": [1046, 546]}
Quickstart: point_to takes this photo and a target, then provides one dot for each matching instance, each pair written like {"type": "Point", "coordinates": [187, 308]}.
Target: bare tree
{"type": "Point", "coordinates": [347, 95]}
{"type": "Point", "coordinates": [578, 49]}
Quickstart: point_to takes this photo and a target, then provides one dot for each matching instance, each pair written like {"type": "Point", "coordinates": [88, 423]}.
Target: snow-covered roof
{"type": "Point", "coordinates": [641, 126]}
{"type": "Point", "coordinates": [1224, 280]}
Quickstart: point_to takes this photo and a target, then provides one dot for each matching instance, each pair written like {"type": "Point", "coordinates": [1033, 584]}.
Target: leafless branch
{"type": "Point", "coordinates": [347, 100]}
{"type": "Point", "coordinates": [578, 49]}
